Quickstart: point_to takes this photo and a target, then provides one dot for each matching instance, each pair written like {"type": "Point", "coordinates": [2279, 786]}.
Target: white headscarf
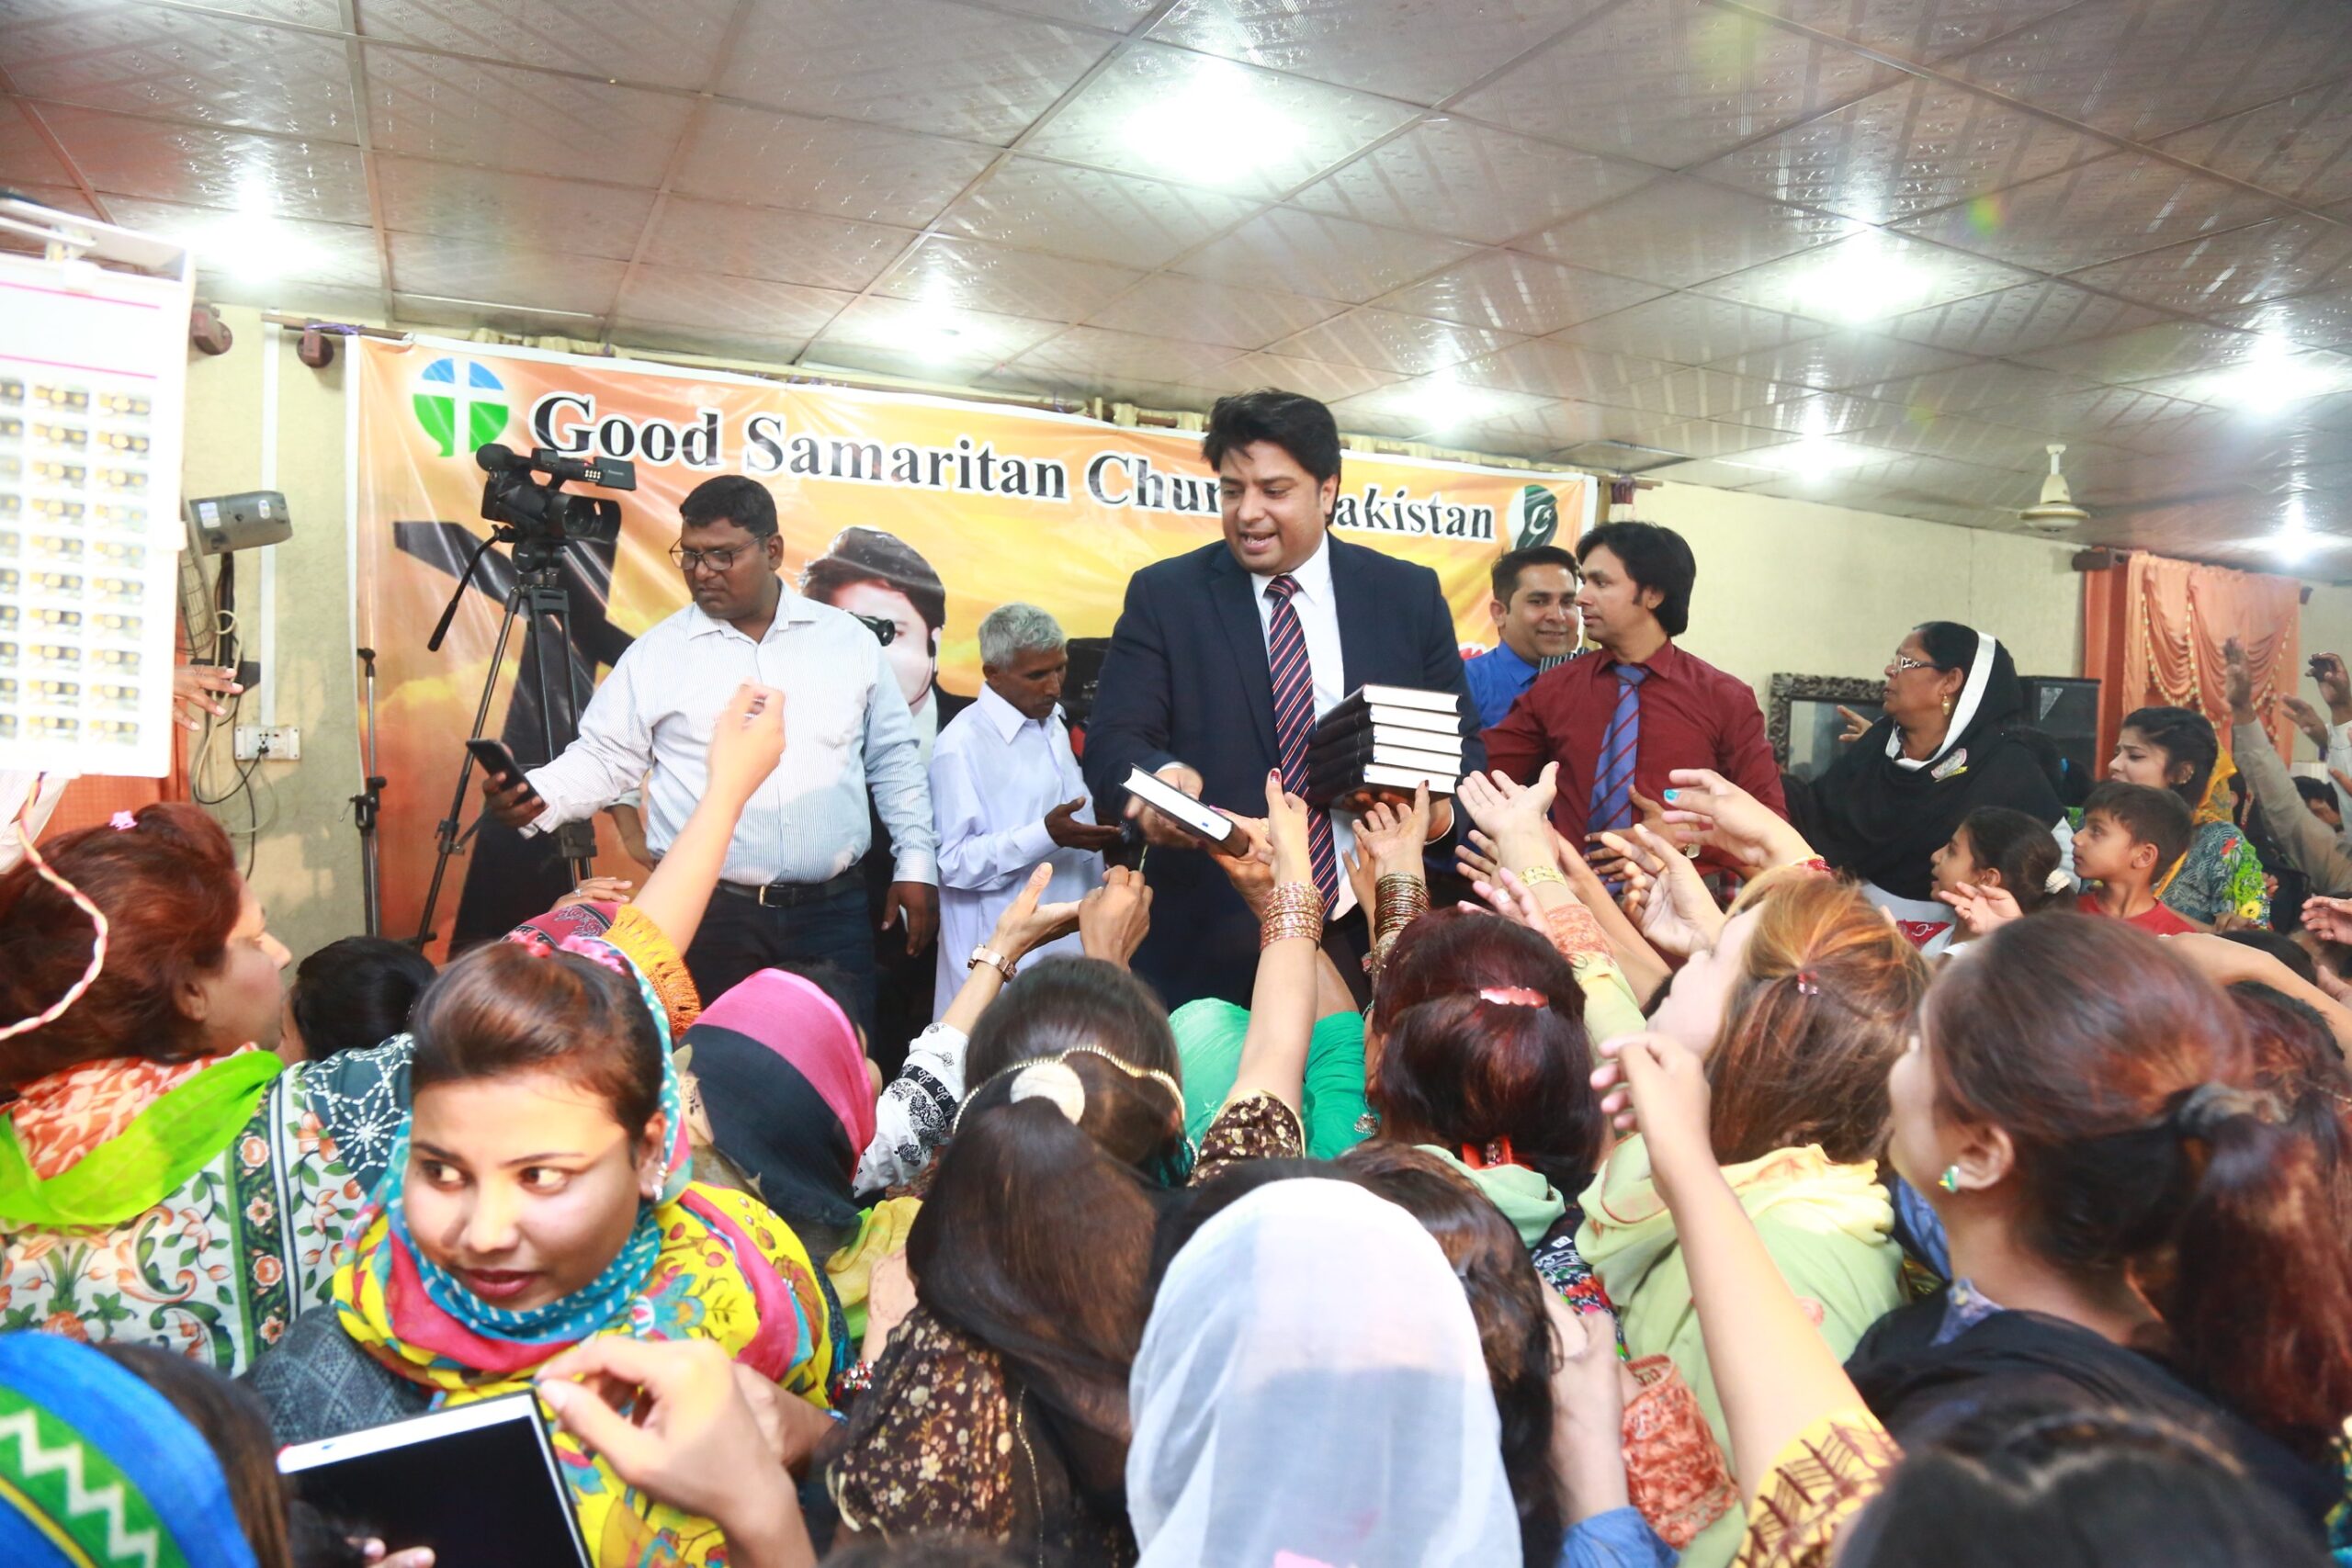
{"type": "Point", "coordinates": [1311, 1393]}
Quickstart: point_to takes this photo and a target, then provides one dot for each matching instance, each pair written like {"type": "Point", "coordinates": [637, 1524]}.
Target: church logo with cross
{"type": "Point", "coordinates": [459, 403]}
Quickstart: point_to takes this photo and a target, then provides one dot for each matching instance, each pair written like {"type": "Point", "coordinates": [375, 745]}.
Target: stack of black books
{"type": "Point", "coordinates": [1389, 738]}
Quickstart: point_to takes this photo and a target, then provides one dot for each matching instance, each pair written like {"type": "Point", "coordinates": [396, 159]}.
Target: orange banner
{"type": "Point", "coordinates": [994, 503]}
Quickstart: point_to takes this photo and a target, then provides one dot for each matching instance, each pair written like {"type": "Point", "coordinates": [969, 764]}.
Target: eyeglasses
{"type": "Point", "coordinates": [1901, 662]}
{"type": "Point", "coordinates": [717, 560]}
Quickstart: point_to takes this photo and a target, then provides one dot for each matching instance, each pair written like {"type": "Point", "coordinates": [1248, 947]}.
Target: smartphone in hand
{"type": "Point", "coordinates": [499, 762]}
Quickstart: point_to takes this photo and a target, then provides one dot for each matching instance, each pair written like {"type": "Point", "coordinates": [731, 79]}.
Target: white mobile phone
{"type": "Point", "coordinates": [1179, 807]}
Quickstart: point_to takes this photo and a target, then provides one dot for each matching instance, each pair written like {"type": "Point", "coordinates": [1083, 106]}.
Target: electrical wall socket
{"type": "Point", "coordinates": [276, 742]}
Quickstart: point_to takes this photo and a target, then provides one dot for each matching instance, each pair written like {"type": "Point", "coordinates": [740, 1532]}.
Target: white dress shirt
{"type": "Point", "coordinates": [845, 723]}
{"type": "Point", "coordinates": [1318, 608]}
{"type": "Point", "coordinates": [994, 775]}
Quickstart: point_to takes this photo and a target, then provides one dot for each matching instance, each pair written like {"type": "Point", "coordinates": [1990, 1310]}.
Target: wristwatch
{"type": "Point", "coordinates": [993, 959]}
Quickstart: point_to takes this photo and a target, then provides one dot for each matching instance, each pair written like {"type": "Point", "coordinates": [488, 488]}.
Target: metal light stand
{"type": "Point", "coordinates": [539, 594]}
{"type": "Point", "coordinates": [366, 805]}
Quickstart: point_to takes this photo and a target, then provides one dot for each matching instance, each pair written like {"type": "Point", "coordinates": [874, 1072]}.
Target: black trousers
{"type": "Point", "coordinates": [739, 937]}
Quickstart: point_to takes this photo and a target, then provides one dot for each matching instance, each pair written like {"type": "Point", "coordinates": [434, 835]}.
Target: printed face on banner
{"type": "Point", "coordinates": [906, 510]}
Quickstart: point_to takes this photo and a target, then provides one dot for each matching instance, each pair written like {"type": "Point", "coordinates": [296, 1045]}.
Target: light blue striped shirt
{"type": "Point", "coordinates": [845, 723]}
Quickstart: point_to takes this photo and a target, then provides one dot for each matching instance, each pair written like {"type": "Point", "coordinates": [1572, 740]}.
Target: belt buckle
{"type": "Point", "coordinates": [760, 894]}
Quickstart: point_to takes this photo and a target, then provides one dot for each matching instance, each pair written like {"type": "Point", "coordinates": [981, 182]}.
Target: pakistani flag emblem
{"type": "Point", "coordinates": [1533, 518]}
{"type": "Point", "coordinates": [456, 405]}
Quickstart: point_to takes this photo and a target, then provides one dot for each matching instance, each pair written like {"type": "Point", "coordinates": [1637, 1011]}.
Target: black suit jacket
{"type": "Point", "coordinates": [1185, 680]}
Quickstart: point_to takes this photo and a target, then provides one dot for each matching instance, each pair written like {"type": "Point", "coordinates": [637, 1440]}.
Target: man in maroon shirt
{"type": "Point", "coordinates": [1620, 721]}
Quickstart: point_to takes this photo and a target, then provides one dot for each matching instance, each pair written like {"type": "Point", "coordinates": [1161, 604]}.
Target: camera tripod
{"type": "Point", "coordinates": [538, 596]}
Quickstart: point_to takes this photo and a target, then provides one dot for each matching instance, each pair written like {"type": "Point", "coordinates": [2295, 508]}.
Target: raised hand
{"type": "Point", "coordinates": [1248, 860]}
{"type": "Point", "coordinates": [1727, 819]}
{"type": "Point", "coordinates": [2307, 719]}
{"type": "Point", "coordinates": [2334, 686]}
{"type": "Point", "coordinates": [746, 742]}
{"type": "Point", "coordinates": [1286, 817]}
{"type": "Point", "coordinates": [1855, 726]}
{"type": "Point", "coordinates": [193, 689]}
{"type": "Point", "coordinates": [1982, 908]}
{"type": "Point", "coordinates": [1657, 1086]}
{"type": "Point", "coordinates": [1503, 807]}
{"type": "Point", "coordinates": [2330, 920]}
{"type": "Point", "coordinates": [1392, 837]}
{"type": "Point", "coordinates": [1063, 826]}
{"type": "Point", "coordinates": [1664, 896]}
{"type": "Point", "coordinates": [1158, 829]}
{"type": "Point", "coordinates": [1028, 924]}
{"type": "Point", "coordinates": [1113, 918]}
{"type": "Point", "coordinates": [2237, 682]}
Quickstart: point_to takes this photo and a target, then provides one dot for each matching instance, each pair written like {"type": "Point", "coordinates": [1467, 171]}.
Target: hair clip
{"type": "Point", "coordinates": [1513, 996]}
{"type": "Point", "coordinates": [1808, 983]}
{"type": "Point", "coordinates": [122, 821]}
{"type": "Point", "coordinates": [1055, 1082]}
{"type": "Point", "coordinates": [1495, 1152]}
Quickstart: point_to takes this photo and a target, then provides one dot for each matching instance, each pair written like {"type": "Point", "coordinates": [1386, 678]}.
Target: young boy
{"type": "Point", "coordinates": [2131, 835]}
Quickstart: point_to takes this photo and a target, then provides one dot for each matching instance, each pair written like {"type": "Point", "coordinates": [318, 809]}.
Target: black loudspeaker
{"type": "Point", "coordinates": [2066, 708]}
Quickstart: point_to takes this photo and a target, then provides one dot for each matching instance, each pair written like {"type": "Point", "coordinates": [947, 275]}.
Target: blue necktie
{"type": "Point", "coordinates": [1612, 777]}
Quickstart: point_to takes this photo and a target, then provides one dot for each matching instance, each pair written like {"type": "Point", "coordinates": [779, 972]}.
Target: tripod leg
{"type": "Point", "coordinates": [559, 703]}
{"type": "Point", "coordinates": [447, 837]}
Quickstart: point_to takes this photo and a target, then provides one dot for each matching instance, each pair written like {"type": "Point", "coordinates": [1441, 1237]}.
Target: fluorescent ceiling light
{"type": "Point", "coordinates": [2294, 541]}
{"type": "Point", "coordinates": [253, 250]}
{"type": "Point", "coordinates": [1217, 129]}
{"type": "Point", "coordinates": [2274, 380]}
{"type": "Point", "coordinates": [1865, 283]}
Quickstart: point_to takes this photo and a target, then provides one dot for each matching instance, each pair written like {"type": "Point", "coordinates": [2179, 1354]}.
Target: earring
{"type": "Point", "coordinates": [1947, 707]}
{"type": "Point", "coordinates": [1950, 1180]}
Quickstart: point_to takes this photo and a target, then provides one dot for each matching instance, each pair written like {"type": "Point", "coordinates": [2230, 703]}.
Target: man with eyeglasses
{"type": "Point", "coordinates": [790, 892]}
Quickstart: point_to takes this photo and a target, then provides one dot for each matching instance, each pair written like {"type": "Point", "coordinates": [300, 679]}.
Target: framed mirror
{"type": "Point", "coordinates": [1802, 722]}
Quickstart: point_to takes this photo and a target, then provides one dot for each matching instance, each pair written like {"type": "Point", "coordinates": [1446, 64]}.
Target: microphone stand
{"type": "Point", "coordinates": [366, 805]}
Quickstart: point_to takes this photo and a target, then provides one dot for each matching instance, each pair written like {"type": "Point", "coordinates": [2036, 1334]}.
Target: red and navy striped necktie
{"type": "Point", "coordinates": [1293, 677]}
{"type": "Point", "coordinates": [1612, 776]}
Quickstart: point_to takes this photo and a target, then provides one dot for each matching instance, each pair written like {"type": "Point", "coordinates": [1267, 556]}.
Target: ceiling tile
{"type": "Point", "coordinates": [339, 255]}
{"type": "Point", "coordinates": [1316, 377]}
{"type": "Point", "coordinates": [1613, 457]}
{"type": "Point", "coordinates": [2119, 416]}
{"type": "Point", "coordinates": [917, 334]}
{"type": "Point", "coordinates": [1119, 15]}
{"type": "Point", "coordinates": [1796, 412]}
{"type": "Point", "coordinates": [976, 276]}
{"type": "Point", "coordinates": [1680, 232]}
{"type": "Point", "coordinates": [1703, 437]}
{"type": "Point", "coordinates": [63, 198]}
{"type": "Point", "coordinates": [1924, 30]}
{"type": "Point", "coordinates": [2115, 206]}
{"type": "Point", "coordinates": [503, 275]}
{"type": "Point", "coordinates": [208, 166]}
{"type": "Point", "coordinates": [501, 316]}
{"type": "Point", "coordinates": [917, 64]}
{"type": "Point", "coordinates": [680, 296]}
{"type": "Point", "coordinates": [25, 156]}
{"type": "Point", "coordinates": [510, 208]}
{"type": "Point", "coordinates": [1331, 258]}
{"type": "Point", "coordinates": [1689, 393]}
{"type": "Point", "coordinates": [322, 301]}
{"type": "Point", "coordinates": [1913, 148]}
{"type": "Point", "coordinates": [1866, 278]}
{"type": "Point", "coordinates": [1691, 329]}
{"type": "Point", "coordinates": [1090, 214]}
{"type": "Point", "coordinates": [1420, 50]}
{"type": "Point", "coordinates": [758, 241]}
{"type": "Point", "coordinates": [2139, 68]}
{"type": "Point", "coordinates": [2316, 321]}
{"type": "Point", "coordinates": [1838, 362]}
{"type": "Point", "coordinates": [1715, 473]}
{"type": "Point", "coordinates": [668, 42]}
{"type": "Point", "coordinates": [1165, 305]}
{"type": "Point", "coordinates": [1959, 436]}
{"type": "Point", "coordinates": [1518, 293]}
{"type": "Point", "coordinates": [2287, 256]}
{"type": "Point", "coordinates": [1673, 83]}
{"type": "Point", "coordinates": [819, 165]}
{"type": "Point", "coordinates": [1552, 368]}
{"type": "Point", "coordinates": [1384, 340]}
{"type": "Point", "coordinates": [1547, 425]}
{"type": "Point", "coordinates": [1098, 359]}
{"type": "Point", "coordinates": [1438, 409]}
{"type": "Point", "coordinates": [2271, 386]}
{"type": "Point", "coordinates": [183, 64]}
{"type": "Point", "coordinates": [2163, 349]}
{"type": "Point", "coordinates": [501, 118]}
{"type": "Point", "coordinates": [1134, 118]}
{"type": "Point", "coordinates": [736, 343]}
{"type": "Point", "coordinates": [2011, 394]}
{"type": "Point", "coordinates": [2300, 146]}
{"type": "Point", "coordinates": [1470, 181]}
{"type": "Point", "coordinates": [2015, 320]}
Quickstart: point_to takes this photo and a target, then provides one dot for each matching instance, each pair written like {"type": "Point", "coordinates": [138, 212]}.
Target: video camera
{"type": "Point", "coordinates": [539, 512]}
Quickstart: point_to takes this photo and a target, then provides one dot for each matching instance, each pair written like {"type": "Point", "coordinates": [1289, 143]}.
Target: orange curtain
{"type": "Point", "coordinates": [2152, 630]}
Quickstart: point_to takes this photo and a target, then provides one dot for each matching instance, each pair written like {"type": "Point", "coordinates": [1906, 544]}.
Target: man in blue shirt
{"type": "Point", "coordinates": [1535, 614]}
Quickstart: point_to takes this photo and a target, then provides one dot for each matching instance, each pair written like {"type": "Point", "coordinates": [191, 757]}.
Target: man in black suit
{"type": "Point", "coordinates": [1213, 663]}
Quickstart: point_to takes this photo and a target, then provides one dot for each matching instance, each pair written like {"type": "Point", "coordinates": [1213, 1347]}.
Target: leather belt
{"type": "Point", "coordinates": [792, 895]}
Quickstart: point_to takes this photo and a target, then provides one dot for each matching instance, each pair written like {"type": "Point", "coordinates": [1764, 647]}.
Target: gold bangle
{"type": "Point", "coordinates": [1537, 875]}
{"type": "Point", "coordinates": [1293, 910]}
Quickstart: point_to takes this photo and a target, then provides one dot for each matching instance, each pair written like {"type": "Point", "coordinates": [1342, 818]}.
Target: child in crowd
{"type": "Point", "coordinates": [1997, 860]}
{"type": "Point", "coordinates": [2131, 835]}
